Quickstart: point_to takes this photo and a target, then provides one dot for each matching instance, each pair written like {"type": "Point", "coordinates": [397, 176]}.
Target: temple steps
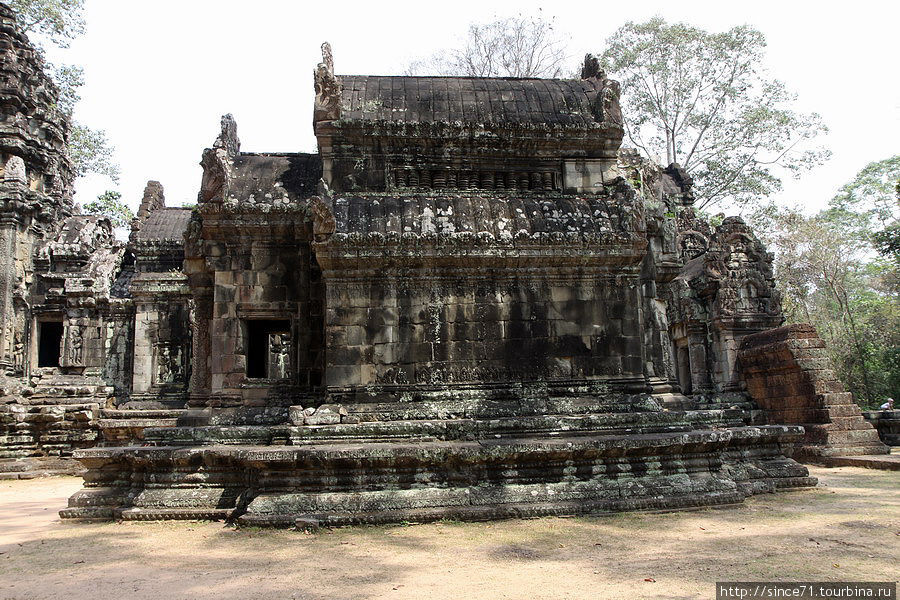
{"type": "Point", "coordinates": [125, 427]}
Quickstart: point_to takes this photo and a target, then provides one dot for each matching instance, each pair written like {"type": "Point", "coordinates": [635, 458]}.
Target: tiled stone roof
{"type": "Point", "coordinates": [165, 224]}
{"type": "Point", "coordinates": [538, 102]}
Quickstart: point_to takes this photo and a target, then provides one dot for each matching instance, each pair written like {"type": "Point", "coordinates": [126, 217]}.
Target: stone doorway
{"type": "Point", "coordinates": [50, 334]}
{"type": "Point", "coordinates": [268, 348]}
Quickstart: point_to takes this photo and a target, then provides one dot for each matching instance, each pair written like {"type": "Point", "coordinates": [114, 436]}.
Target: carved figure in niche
{"type": "Point", "coordinates": [14, 169]}
{"type": "Point", "coordinates": [168, 364]}
{"type": "Point", "coordinates": [76, 345]}
{"type": "Point", "coordinates": [279, 355]}
{"type": "Point", "coordinates": [747, 300]}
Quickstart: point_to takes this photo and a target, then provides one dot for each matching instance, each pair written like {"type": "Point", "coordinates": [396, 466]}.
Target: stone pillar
{"type": "Point", "coordinates": [200, 326]}
{"type": "Point", "coordinates": [699, 359]}
{"type": "Point", "coordinates": [8, 243]}
{"type": "Point", "coordinates": [143, 351]}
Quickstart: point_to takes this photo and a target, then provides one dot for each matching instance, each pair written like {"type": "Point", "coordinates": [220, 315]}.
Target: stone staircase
{"type": "Point", "coordinates": [789, 375]}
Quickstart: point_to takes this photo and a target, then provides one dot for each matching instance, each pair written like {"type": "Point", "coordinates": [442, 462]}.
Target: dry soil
{"type": "Point", "coordinates": [848, 529]}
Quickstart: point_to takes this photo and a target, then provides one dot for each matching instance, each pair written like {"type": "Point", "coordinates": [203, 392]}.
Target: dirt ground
{"type": "Point", "coordinates": [846, 530]}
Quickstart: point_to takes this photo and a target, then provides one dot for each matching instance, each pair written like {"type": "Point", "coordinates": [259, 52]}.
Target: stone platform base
{"type": "Point", "coordinates": [889, 462]}
{"type": "Point", "coordinates": [33, 467]}
{"type": "Point", "coordinates": [379, 482]}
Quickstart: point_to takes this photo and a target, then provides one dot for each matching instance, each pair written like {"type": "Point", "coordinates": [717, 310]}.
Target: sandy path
{"type": "Point", "coordinates": [848, 529]}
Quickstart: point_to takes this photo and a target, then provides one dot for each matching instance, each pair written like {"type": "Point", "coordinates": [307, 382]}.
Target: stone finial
{"type": "Point", "coordinates": [217, 162]}
{"type": "Point", "coordinates": [323, 217]}
{"type": "Point", "coordinates": [591, 68]}
{"type": "Point", "coordinates": [153, 199]}
{"type": "Point", "coordinates": [228, 138]}
{"type": "Point", "coordinates": [327, 57]}
{"type": "Point", "coordinates": [14, 170]}
{"type": "Point", "coordinates": [328, 88]}
{"type": "Point", "coordinates": [681, 178]}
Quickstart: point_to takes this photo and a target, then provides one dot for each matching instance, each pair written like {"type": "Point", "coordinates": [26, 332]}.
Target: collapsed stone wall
{"type": "Point", "coordinates": [887, 423]}
{"type": "Point", "coordinates": [788, 373]}
{"type": "Point", "coordinates": [48, 430]}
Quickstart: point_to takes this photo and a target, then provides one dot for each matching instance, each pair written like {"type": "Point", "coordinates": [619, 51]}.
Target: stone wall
{"type": "Point", "coordinates": [789, 375]}
{"type": "Point", "coordinates": [481, 289]}
{"type": "Point", "coordinates": [406, 329]}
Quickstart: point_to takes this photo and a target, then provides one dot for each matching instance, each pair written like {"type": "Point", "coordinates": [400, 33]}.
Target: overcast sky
{"type": "Point", "coordinates": [160, 73]}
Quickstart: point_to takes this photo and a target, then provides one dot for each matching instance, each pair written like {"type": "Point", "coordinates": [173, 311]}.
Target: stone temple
{"type": "Point", "coordinates": [471, 303]}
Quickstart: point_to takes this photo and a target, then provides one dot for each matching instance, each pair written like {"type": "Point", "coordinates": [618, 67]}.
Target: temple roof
{"type": "Point", "coordinates": [164, 224]}
{"type": "Point", "coordinates": [501, 101]}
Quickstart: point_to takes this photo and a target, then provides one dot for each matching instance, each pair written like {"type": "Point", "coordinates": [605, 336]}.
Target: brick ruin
{"type": "Point", "coordinates": [470, 303]}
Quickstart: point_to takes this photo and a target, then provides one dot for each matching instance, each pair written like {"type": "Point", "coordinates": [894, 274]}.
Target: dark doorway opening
{"type": "Point", "coordinates": [49, 341]}
{"type": "Point", "coordinates": [684, 369]}
{"type": "Point", "coordinates": [268, 348]}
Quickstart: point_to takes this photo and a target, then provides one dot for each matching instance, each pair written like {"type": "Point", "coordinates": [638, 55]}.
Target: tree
{"type": "Point", "coordinates": [702, 100]}
{"type": "Point", "coordinates": [869, 205]}
{"type": "Point", "coordinates": [109, 204]}
{"type": "Point", "coordinates": [513, 47]}
{"type": "Point", "coordinates": [59, 22]}
{"type": "Point", "coordinates": [829, 276]}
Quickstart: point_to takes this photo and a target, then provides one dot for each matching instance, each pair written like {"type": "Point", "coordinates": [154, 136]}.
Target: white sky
{"type": "Point", "coordinates": [161, 73]}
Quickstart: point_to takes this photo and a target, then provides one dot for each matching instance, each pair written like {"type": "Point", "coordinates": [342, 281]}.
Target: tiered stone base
{"type": "Point", "coordinates": [341, 483]}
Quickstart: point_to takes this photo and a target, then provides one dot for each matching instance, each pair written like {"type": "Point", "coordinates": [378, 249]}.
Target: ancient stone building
{"type": "Point", "coordinates": [88, 325]}
{"type": "Point", "coordinates": [469, 303]}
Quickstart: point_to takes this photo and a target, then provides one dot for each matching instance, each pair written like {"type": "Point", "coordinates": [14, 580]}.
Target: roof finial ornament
{"type": "Point", "coordinates": [591, 68]}
{"type": "Point", "coordinates": [327, 57]}
{"type": "Point", "coordinates": [228, 138]}
{"type": "Point", "coordinates": [328, 89]}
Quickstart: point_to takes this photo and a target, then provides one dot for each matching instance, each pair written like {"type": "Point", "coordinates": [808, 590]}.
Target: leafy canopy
{"type": "Point", "coordinates": [869, 206]}
{"type": "Point", "coordinates": [60, 21]}
{"type": "Point", "coordinates": [110, 204]}
{"type": "Point", "coordinates": [831, 276]}
{"type": "Point", "coordinates": [520, 46]}
{"type": "Point", "coordinates": [702, 100]}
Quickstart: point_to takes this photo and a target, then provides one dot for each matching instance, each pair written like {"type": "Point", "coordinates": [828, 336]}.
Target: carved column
{"type": "Point", "coordinates": [699, 358]}
{"type": "Point", "coordinates": [200, 350]}
{"type": "Point", "coordinates": [8, 250]}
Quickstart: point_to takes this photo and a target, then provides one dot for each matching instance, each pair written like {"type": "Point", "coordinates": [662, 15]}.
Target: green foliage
{"type": "Point", "coordinates": [701, 99]}
{"type": "Point", "coordinates": [869, 206]}
{"type": "Point", "coordinates": [520, 46]}
{"type": "Point", "coordinates": [91, 152]}
{"type": "Point", "coordinates": [830, 276]}
{"type": "Point", "coordinates": [60, 21]}
{"type": "Point", "coordinates": [110, 204]}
